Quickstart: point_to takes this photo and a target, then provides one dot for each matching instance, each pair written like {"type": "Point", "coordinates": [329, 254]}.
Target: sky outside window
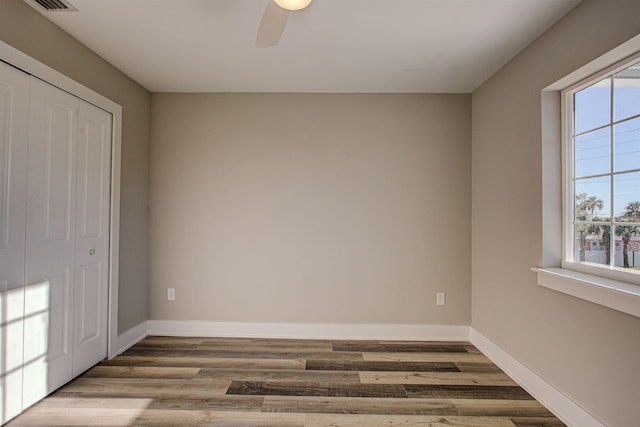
{"type": "Point", "coordinates": [594, 129]}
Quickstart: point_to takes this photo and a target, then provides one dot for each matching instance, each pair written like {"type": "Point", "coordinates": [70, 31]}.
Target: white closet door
{"type": "Point", "coordinates": [14, 131]}
{"type": "Point", "coordinates": [50, 240]}
{"type": "Point", "coordinates": [92, 237]}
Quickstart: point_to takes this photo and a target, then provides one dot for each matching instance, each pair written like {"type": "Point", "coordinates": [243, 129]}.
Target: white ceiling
{"type": "Point", "coordinates": [332, 46]}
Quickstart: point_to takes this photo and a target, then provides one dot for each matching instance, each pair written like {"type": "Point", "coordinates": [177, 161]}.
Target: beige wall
{"type": "Point", "coordinates": [327, 208]}
{"type": "Point", "coordinates": [587, 351]}
{"type": "Point", "coordinates": [26, 30]}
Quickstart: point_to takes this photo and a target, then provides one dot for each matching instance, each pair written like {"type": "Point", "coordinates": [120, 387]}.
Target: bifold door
{"type": "Point", "coordinates": [61, 174]}
{"type": "Point", "coordinates": [14, 132]}
{"type": "Point", "coordinates": [91, 293]}
{"type": "Point", "coordinates": [50, 259]}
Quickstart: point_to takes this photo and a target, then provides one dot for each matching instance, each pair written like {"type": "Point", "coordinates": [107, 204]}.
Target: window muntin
{"type": "Point", "coordinates": [604, 172]}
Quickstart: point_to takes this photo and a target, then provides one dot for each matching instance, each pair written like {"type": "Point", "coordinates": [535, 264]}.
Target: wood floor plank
{"type": "Point", "coordinates": [219, 418]}
{"type": "Point", "coordinates": [315, 389]}
{"type": "Point", "coordinates": [56, 401]}
{"type": "Point", "coordinates": [156, 352]}
{"type": "Point", "coordinates": [112, 387]}
{"type": "Point", "coordinates": [277, 355]}
{"type": "Point", "coordinates": [471, 349]}
{"type": "Point", "coordinates": [151, 417]}
{"type": "Point", "coordinates": [171, 341]}
{"type": "Point", "coordinates": [207, 362]}
{"type": "Point", "coordinates": [426, 357]}
{"type": "Point", "coordinates": [230, 348]}
{"type": "Point", "coordinates": [359, 405]}
{"type": "Point", "coordinates": [504, 407]}
{"type": "Point", "coordinates": [466, 392]}
{"type": "Point", "coordinates": [279, 375]}
{"type": "Point", "coordinates": [400, 347]}
{"type": "Point", "coordinates": [486, 367]}
{"type": "Point", "coordinates": [456, 378]}
{"type": "Point", "coordinates": [288, 341]}
{"type": "Point", "coordinates": [404, 420]}
{"type": "Point", "coordinates": [103, 371]}
{"type": "Point", "coordinates": [537, 422]}
{"type": "Point", "coordinates": [346, 365]}
{"type": "Point", "coordinates": [214, 403]}
{"type": "Point", "coordinates": [42, 416]}
{"type": "Point", "coordinates": [277, 345]}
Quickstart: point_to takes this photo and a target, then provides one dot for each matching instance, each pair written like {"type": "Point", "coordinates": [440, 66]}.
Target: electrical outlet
{"type": "Point", "coordinates": [440, 298]}
{"type": "Point", "coordinates": [171, 294]}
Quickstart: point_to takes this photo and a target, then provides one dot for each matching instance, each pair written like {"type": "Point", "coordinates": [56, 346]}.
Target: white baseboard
{"type": "Point", "coordinates": [557, 402]}
{"type": "Point", "coordinates": [308, 330]}
{"type": "Point", "coordinates": [129, 338]}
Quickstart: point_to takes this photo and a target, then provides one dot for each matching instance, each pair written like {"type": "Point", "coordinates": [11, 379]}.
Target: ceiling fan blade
{"type": "Point", "coordinates": [272, 25]}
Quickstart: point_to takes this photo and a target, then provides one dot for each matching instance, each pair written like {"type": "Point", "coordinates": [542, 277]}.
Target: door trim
{"type": "Point", "coordinates": [20, 60]}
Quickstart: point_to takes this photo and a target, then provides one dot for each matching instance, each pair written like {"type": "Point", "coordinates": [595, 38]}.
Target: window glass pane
{"type": "Point", "coordinates": [627, 195]}
{"type": "Point", "coordinates": [631, 212]}
{"type": "Point", "coordinates": [593, 199]}
{"type": "Point", "coordinates": [626, 136]}
{"type": "Point", "coordinates": [592, 243]}
{"type": "Point", "coordinates": [626, 97]}
{"type": "Point", "coordinates": [592, 106]}
{"type": "Point", "coordinates": [592, 152]}
{"type": "Point", "coordinates": [627, 253]}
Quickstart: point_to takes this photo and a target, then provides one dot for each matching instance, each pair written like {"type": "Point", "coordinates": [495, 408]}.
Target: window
{"type": "Point", "coordinates": [588, 192]}
{"type": "Point", "coordinates": [602, 171]}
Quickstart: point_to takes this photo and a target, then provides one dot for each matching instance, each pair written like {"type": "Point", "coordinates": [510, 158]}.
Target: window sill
{"type": "Point", "coordinates": [610, 293]}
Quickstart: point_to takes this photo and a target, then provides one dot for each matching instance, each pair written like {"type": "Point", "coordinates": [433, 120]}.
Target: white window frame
{"type": "Point", "coordinates": [606, 286]}
{"type": "Point", "coordinates": [568, 205]}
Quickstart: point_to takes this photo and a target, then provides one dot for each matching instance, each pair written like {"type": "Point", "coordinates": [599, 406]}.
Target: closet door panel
{"type": "Point", "coordinates": [14, 131]}
{"type": "Point", "coordinates": [50, 237]}
{"type": "Point", "coordinates": [36, 340]}
{"type": "Point", "coordinates": [92, 241]}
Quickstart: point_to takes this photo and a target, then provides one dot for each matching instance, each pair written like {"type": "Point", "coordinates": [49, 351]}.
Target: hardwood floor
{"type": "Point", "coordinates": [265, 382]}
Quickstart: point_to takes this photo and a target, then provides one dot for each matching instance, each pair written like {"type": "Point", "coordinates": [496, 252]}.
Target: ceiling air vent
{"type": "Point", "coordinates": [55, 5]}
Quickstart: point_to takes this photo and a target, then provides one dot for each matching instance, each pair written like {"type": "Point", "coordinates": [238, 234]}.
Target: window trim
{"type": "Point", "coordinates": [610, 293]}
{"type": "Point", "coordinates": [580, 281]}
{"type": "Point", "coordinates": [566, 99]}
